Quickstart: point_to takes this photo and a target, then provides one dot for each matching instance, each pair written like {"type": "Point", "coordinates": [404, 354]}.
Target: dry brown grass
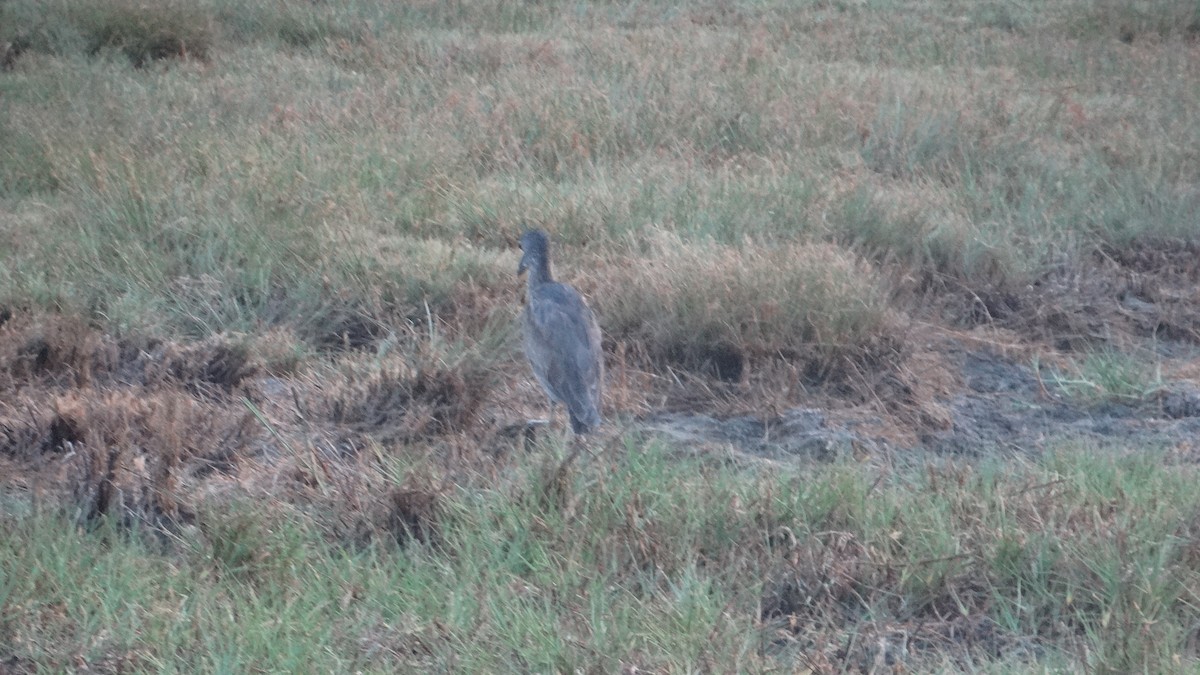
{"type": "Point", "coordinates": [131, 449]}
{"type": "Point", "coordinates": [715, 308]}
{"type": "Point", "coordinates": [65, 351]}
{"type": "Point", "coordinates": [122, 425]}
{"type": "Point", "coordinates": [404, 407]}
{"type": "Point", "coordinates": [129, 430]}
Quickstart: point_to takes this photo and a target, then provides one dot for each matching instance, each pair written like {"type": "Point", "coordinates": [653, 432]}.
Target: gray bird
{"type": "Point", "coordinates": [562, 338]}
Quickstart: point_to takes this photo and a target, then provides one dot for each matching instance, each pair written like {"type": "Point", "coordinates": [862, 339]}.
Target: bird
{"type": "Point", "coordinates": [562, 337]}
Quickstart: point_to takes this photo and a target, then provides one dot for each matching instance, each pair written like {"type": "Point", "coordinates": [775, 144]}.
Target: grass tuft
{"type": "Point", "coordinates": [404, 406]}
{"type": "Point", "coordinates": [130, 452]}
{"type": "Point", "coordinates": [1129, 21]}
{"type": "Point", "coordinates": [25, 169]}
{"type": "Point", "coordinates": [1106, 374]}
{"type": "Point", "coordinates": [144, 32]}
{"type": "Point", "coordinates": [297, 26]}
{"type": "Point", "coordinates": [710, 307]}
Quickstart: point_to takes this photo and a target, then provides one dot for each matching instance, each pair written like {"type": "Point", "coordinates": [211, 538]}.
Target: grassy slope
{"type": "Point", "coordinates": [357, 171]}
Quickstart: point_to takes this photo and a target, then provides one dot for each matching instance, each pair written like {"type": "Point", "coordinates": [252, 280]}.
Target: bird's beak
{"type": "Point", "coordinates": [524, 265]}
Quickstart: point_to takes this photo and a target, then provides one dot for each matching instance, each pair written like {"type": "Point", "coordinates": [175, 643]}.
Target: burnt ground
{"type": "Point", "coordinates": [1003, 405]}
{"type": "Point", "coordinates": [145, 429]}
{"type": "Point", "coordinates": [999, 370]}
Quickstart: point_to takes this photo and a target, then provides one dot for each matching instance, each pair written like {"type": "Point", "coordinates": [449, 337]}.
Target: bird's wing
{"type": "Point", "coordinates": [559, 316]}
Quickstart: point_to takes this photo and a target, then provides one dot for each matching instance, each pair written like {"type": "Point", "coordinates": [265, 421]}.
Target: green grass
{"type": "Point", "coordinates": [982, 150]}
{"type": "Point", "coordinates": [649, 560]}
{"type": "Point", "coordinates": [1106, 374]}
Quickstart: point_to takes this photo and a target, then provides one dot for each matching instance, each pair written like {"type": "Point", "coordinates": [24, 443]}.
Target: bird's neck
{"type": "Point", "coordinates": [539, 273]}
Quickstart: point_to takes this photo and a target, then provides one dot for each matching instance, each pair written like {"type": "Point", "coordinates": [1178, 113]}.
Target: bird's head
{"type": "Point", "coordinates": [535, 250]}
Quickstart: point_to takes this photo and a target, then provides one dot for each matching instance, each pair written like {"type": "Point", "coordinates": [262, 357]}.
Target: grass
{"type": "Point", "coordinates": [1001, 152]}
{"type": "Point", "coordinates": [649, 560]}
{"type": "Point", "coordinates": [258, 291]}
{"type": "Point", "coordinates": [805, 302]}
{"type": "Point", "coordinates": [1109, 375]}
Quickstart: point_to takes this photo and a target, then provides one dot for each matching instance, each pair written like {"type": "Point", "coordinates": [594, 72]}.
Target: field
{"type": "Point", "coordinates": [901, 306]}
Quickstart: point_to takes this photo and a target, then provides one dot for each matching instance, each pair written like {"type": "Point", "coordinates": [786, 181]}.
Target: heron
{"type": "Point", "coordinates": [562, 338]}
